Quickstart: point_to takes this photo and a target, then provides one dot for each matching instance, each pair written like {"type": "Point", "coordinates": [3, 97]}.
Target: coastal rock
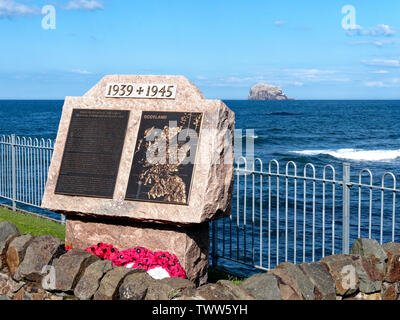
{"type": "Point", "coordinates": [141, 286]}
{"type": "Point", "coordinates": [109, 285]}
{"type": "Point", "coordinates": [393, 264]}
{"type": "Point", "coordinates": [238, 292]}
{"type": "Point", "coordinates": [214, 291]}
{"type": "Point", "coordinates": [8, 286]}
{"type": "Point", "coordinates": [90, 280]}
{"type": "Point", "coordinates": [33, 292]}
{"type": "Point", "coordinates": [340, 267]}
{"type": "Point", "coordinates": [168, 288]}
{"type": "Point", "coordinates": [370, 249]}
{"type": "Point", "coordinates": [135, 286]}
{"type": "Point", "coordinates": [263, 91]}
{"type": "Point", "coordinates": [68, 269]}
{"type": "Point", "coordinates": [322, 280]}
{"type": "Point", "coordinates": [291, 275]}
{"type": "Point", "coordinates": [263, 286]}
{"type": "Point", "coordinates": [7, 232]}
{"type": "Point", "coordinates": [39, 254]}
{"type": "Point", "coordinates": [389, 291]}
{"type": "Point", "coordinates": [369, 276]}
{"type": "Point", "coordinates": [16, 252]}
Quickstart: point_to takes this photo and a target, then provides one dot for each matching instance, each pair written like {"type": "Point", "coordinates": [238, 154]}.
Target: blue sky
{"type": "Point", "coordinates": [224, 47]}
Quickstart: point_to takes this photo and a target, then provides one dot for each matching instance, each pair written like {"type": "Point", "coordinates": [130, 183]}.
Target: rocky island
{"type": "Point", "coordinates": [264, 91]}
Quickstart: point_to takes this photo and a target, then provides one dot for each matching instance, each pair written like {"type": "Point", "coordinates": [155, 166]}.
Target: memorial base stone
{"type": "Point", "coordinates": [190, 243]}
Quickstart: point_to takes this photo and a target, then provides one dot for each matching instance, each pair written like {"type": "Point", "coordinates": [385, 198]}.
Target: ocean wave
{"type": "Point", "coordinates": [355, 154]}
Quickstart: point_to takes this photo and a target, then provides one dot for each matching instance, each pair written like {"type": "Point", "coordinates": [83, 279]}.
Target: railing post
{"type": "Point", "coordinates": [13, 171]}
{"type": "Point", "coordinates": [214, 243]}
{"type": "Point", "coordinates": [346, 209]}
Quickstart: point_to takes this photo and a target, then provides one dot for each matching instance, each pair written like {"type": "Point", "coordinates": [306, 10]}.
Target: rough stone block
{"type": "Point", "coordinates": [371, 249]}
{"type": "Point", "coordinates": [340, 267]}
{"type": "Point", "coordinates": [68, 269]}
{"type": "Point", "coordinates": [168, 288]}
{"type": "Point", "coordinates": [262, 286]}
{"type": "Point", "coordinates": [33, 292]}
{"type": "Point", "coordinates": [16, 252]}
{"type": "Point", "coordinates": [322, 280]}
{"type": "Point", "coordinates": [392, 250]}
{"type": "Point", "coordinates": [135, 286]}
{"type": "Point", "coordinates": [291, 275]}
{"type": "Point", "coordinates": [214, 291]}
{"type": "Point", "coordinates": [7, 232]}
{"type": "Point", "coordinates": [8, 286]}
{"type": "Point", "coordinates": [90, 280]}
{"type": "Point", "coordinates": [141, 286]}
{"type": "Point", "coordinates": [38, 255]}
{"type": "Point", "coordinates": [238, 292]}
{"type": "Point", "coordinates": [369, 274]}
{"type": "Point", "coordinates": [389, 291]}
{"type": "Point", "coordinates": [109, 285]}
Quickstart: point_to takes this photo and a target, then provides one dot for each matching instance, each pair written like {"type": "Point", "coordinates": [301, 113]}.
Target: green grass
{"type": "Point", "coordinates": [30, 224]}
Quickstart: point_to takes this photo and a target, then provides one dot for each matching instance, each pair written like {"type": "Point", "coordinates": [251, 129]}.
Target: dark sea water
{"type": "Point", "coordinates": [365, 134]}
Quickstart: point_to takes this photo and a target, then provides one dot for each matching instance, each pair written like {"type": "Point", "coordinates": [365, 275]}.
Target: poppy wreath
{"type": "Point", "coordinates": [139, 257]}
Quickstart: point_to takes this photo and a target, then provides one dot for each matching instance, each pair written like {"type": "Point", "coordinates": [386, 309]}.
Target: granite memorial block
{"type": "Point", "coordinates": [143, 161]}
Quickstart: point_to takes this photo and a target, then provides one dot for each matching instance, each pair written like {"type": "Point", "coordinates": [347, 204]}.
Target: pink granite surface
{"type": "Point", "coordinates": [212, 181]}
{"type": "Point", "coordinates": [189, 244]}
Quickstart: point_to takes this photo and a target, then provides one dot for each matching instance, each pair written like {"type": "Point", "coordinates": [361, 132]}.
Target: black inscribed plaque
{"type": "Point", "coordinates": [164, 157]}
{"type": "Point", "coordinates": [92, 153]}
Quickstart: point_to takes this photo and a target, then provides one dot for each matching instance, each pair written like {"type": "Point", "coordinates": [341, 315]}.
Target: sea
{"type": "Point", "coordinates": [364, 134]}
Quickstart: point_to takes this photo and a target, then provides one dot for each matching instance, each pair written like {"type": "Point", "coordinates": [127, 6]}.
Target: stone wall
{"type": "Point", "coordinates": [39, 268]}
{"type": "Point", "coordinates": [369, 272]}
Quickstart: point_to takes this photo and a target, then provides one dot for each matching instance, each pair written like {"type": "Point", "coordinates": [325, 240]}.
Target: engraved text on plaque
{"type": "Point", "coordinates": [92, 153]}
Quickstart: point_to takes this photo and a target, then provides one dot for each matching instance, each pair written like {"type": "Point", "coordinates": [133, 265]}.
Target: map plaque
{"type": "Point", "coordinates": [167, 177]}
{"type": "Point", "coordinates": [92, 153]}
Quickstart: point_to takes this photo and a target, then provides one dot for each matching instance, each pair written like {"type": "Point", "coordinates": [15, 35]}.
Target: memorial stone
{"type": "Point", "coordinates": [143, 161]}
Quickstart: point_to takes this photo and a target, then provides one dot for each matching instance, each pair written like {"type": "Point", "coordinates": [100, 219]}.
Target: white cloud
{"type": "Point", "coordinates": [378, 84]}
{"type": "Point", "coordinates": [90, 5]}
{"type": "Point", "coordinates": [316, 75]}
{"type": "Point", "coordinates": [380, 72]}
{"type": "Point", "coordinates": [375, 43]}
{"type": "Point", "coordinates": [382, 62]}
{"type": "Point", "coordinates": [10, 8]}
{"type": "Point", "coordinates": [279, 23]}
{"type": "Point", "coordinates": [383, 84]}
{"type": "Point", "coordinates": [201, 77]}
{"type": "Point", "coordinates": [298, 83]}
{"type": "Point", "coordinates": [78, 71]}
{"type": "Point", "coordinates": [377, 31]}
{"type": "Point", "coordinates": [378, 43]}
